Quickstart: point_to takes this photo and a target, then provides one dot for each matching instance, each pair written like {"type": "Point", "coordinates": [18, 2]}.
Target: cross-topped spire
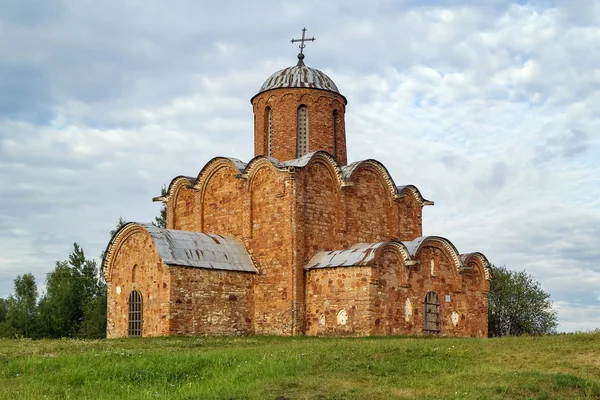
{"type": "Point", "coordinates": [302, 46]}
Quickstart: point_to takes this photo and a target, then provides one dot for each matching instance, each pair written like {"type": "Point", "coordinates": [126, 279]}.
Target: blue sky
{"type": "Point", "coordinates": [489, 107]}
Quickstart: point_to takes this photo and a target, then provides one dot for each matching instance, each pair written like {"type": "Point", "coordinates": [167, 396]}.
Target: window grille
{"type": "Point", "coordinates": [302, 132]}
{"type": "Point", "coordinates": [135, 314]}
{"type": "Point", "coordinates": [431, 314]}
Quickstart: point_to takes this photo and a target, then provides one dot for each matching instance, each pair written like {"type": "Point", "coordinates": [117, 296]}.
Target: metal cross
{"type": "Point", "coordinates": [302, 45]}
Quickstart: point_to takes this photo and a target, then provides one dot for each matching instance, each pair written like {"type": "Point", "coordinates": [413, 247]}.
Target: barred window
{"type": "Point", "coordinates": [302, 132]}
{"type": "Point", "coordinates": [135, 314]}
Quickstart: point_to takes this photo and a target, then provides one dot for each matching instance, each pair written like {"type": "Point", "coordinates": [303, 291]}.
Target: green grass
{"type": "Point", "coordinates": [553, 367]}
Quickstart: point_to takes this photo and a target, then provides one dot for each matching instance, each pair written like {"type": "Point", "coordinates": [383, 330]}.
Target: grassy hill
{"type": "Point", "coordinates": [553, 367]}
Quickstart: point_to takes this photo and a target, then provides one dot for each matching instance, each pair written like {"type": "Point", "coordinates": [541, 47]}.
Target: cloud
{"type": "Point", "coordinates": [490, 109]}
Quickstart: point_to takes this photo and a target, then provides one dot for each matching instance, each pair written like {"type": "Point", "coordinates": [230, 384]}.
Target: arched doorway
{"type": "Point", "coordinates": [135, 314]}
{"type": "Point", "coordinates": [431, 323]}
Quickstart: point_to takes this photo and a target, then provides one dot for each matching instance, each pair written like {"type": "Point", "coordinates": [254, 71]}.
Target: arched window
{"type": "Point", "coordinates": [135, 314]}
{"type": "Point", "coordinates": [302, 132]}
{"type": "Point", "coordinates": [431, 314]}
{"type": "Point", "coordinates": [133, 272]}
{"type": "Point", "coordinates": [333, 131]}
{"type": "Point", "coordinates": [269, 130]}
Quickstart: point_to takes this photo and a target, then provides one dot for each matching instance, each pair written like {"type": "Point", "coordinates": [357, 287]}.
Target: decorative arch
{"type": "Point", "coordinates": [326, 159]}
{"type": "Point", "coordinates": [401, 249]}
{"type": "Point", "coordinates": [349, 170]}
{"type": "Point", "coordinates": [174, 186]}
{"type": "Point", "coordinates": [115, 243]}
{"type": "Point", "coordinates": [480, 260]}
{"type": "Point", "coordinates": [411, 190]}
{"type": "Point", "coordinates": [414, 247]}
{"type": "Point", "coordinates": [213, 166]}
{"type": "Point", "coordinates": [260, 162]}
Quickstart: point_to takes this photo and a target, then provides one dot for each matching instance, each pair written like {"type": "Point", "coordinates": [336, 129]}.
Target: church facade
{"type": "Point", "coordinates": [294, 242]}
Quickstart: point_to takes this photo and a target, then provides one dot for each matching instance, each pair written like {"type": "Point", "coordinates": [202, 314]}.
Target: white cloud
{"type": "Point", "coordinates": [490, 109]}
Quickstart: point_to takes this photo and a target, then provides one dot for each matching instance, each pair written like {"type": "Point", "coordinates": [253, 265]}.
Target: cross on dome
{"type": "Point", "coordinates": [302, 45]}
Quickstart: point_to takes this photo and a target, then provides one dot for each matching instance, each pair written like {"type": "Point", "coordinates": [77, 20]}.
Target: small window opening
{"type": "Point", "coordinates": [334, 130]}
{"type": "Point", "coordinates": [269, 130]}
{"type": "Point", "coordinates": [302, 132]}
{"type": "Point", "coordinates": [135, 314]}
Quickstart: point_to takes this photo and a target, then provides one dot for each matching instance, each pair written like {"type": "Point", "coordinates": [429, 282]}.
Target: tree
{"type": "Point", "coordinates": [73, 291]}
{"type": "Point", "coordinates": [122, 221]}
{"type": "Point", "coordinates": [22, 311]}
{"type": "Point", "coordinates": [161, 220]}
{"type": "Point", "coordinates": [518, 305]}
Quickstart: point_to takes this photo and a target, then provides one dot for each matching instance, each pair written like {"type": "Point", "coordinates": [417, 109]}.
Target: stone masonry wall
{"type": "Point", "coordinates": [137, 266]}
{"type": "Point", "coordinates": [185, 210]}
{"type": "Point", "coordinates": [388, 298]}
{"type": "Point", "coordinates": [271, 245]}
{"type": "Point", "coordinates": [436, 272]}
{"type": "Point", "coordinates": [210, 302]}
{"type": "Point", "coordinates": [225, 203]}
{"type": "Point", "coordinates": [284, 104]}
{"type": "Point", "coordinates": [338, 301]}
{"type": "Point", "coordinates": [388, 295]}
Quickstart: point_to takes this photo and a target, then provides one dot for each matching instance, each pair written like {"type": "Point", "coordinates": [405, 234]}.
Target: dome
{"type": "Point", "coordinates": [299, 76]}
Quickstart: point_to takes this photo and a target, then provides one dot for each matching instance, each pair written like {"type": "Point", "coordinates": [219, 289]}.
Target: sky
{"type": "Point", "coordinates": [489, 107]}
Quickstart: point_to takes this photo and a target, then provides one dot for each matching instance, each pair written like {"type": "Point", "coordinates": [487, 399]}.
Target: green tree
{"type": "Point", "coordinates": [518, 305]}
{"type": "Point", "coordinates": [22, 310]}
{"type": "Point", "coordinates": [6, 330]}
{"type": "Point", "coordinates": [161, 220]}
{"type": "Point", "coordinates": [73, 291]}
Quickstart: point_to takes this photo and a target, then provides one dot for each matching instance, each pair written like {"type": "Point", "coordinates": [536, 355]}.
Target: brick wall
{"type": "Point", "coordinates": [332, 291]}
{"type": "Point", "coordinates": [271, 247]}
{"type": "Point", "coordinates": [210, 302]}
{"type": "Point", "coordinates": [388, 297]}
{"type": "Point", "coordinates": [137, 266]}
{"type": "Point", "coordinates": [284, 104]}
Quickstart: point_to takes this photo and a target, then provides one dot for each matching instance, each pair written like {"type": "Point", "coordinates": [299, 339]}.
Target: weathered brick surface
{"type": "Point", "coordinates": [271, 247]}
{"type": "Point", "coordinates": [210, 302]}
{"type": "Point", "coordinates": [388, 297]}
{"type": "Point", "coordinates": [330, 291]}
{"type": "Point", "coordinates": [137, 266]}
{"type": "Point", "coordinates": [284, 104]}
{"type": "Point", "coordinates": [284, 217]}
{"type": "Point", "coordinates": [224, 202]}
{"type": "Point", "coordinates": [185, 210]}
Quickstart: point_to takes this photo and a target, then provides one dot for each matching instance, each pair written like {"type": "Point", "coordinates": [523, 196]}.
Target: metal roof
{"type": "Point", "coordinates": [358, 255]}
{"type": "Point", "coordinates": [299, 76]}
{"type": "Point", "coordinates": [201, 250]}
{"type": "Point", "coordinates": [239, 164]}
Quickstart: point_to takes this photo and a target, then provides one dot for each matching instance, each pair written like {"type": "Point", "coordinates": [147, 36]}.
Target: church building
{"type": "Point", "coordinates": [294, 242]}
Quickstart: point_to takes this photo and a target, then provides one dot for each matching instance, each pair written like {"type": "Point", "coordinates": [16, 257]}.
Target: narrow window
{"type": "Point", "coordinates": [431, 323]}
{"type": "Point", "coordinates": [302, 132]}
{"type": "Point", "coordinates": [135, 314]}
{"type": "Point", "coordinates": [334, 130]}
{"type": "Point", "coordinates": [269, 130]}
